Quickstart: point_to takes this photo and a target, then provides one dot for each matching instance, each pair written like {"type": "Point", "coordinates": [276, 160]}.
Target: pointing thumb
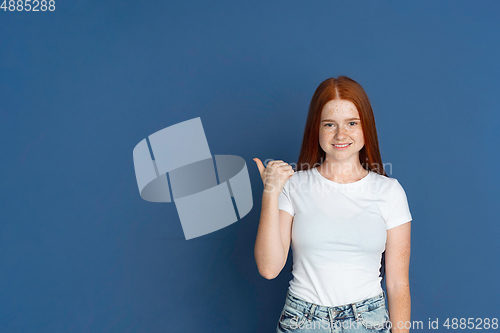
{"type": "Point", "coordinates": [259, 165]}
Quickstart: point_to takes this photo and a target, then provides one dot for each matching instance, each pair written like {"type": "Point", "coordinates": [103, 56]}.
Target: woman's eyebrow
{"type": "Point", "coordinates": [334, 120]}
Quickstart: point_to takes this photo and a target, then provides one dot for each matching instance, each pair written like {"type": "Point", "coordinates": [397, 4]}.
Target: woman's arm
{"type": "Point", "coordinates": [273, 237]}
{"type": "Point", "coordinates": [397, 264]}
{"type": "Point", "coordinates": [274, 234]}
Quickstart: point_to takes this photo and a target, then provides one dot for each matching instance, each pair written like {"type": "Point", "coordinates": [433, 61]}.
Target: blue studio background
{"type": "Point", "coordinates": [80, 251]}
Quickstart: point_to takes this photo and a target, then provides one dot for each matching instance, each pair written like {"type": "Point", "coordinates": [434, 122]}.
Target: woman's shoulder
{"type": "Point", "coordinates": [388, 186]}
{"type": "Point", "coordinates": [384, 182]}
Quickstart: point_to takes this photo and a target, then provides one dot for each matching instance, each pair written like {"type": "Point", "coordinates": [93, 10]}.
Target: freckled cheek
{"type": "Point", "coordinates": [357, 134]}
{"type": "Point", "coordinates": [323, 135]}
{"type": "Point", "coordinates": [359, 138]}
{"type": "Point", "coordinates": [328, 137]}
{"type": "Point", "coordinates": [325, 139]}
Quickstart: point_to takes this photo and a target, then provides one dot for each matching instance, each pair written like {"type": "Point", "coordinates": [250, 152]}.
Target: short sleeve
{"type": "Point", "coordinates": [399, 210]}
{"type": "Point", "coordinates": [285, 200]}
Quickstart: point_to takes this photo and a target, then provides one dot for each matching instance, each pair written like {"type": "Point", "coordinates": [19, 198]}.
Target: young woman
{"type": "Point", "coordinates": [347, 222]}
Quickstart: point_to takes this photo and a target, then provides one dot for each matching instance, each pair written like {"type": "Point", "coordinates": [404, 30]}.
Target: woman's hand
{"type": "Point", "coordinates": [274, 175]}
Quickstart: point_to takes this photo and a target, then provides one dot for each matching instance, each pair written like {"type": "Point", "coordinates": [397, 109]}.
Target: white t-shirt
{"type": "Point", "coordinates": [339, 234]}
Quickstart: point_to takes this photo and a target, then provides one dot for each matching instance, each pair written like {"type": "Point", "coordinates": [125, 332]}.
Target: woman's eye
{"type": "Point", "coordinates": [352, 123]}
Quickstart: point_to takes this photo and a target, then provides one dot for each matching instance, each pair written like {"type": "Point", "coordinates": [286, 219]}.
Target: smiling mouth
{"type": "Point", "coordinates": [342, 145]}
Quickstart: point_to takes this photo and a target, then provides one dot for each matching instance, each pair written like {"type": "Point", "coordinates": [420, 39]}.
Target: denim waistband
{"type": "Point", "coordinates": [335, 312]}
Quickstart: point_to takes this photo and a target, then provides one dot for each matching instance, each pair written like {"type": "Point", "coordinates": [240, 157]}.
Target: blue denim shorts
{"type": "Point", "coordinates": [369, 315]}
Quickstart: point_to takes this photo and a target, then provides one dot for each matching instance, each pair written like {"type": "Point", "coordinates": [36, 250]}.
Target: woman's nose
{"type": "Point", "coordinates": [341, 133]}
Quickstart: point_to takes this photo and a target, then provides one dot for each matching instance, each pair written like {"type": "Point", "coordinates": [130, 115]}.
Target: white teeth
{"type": "Point", "coordinates": [341, 145]}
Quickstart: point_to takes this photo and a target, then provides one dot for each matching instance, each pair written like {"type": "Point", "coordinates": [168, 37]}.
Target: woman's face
{"type": "Point", "coordinates": [340, 124]}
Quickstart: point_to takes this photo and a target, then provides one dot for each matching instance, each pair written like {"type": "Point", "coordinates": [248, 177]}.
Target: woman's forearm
{"type": "Point", "coordinates": [399, 307]}
{"type": "Point", "coordinates": [269, 252]}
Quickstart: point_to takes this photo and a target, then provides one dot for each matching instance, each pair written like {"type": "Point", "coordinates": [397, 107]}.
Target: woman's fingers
{"type": "Point", "coordinates": [274, 163]}
{"type": "Point", "coordinates": [275, 174]}
{"type": "Point", "coordinates": [274, 168]}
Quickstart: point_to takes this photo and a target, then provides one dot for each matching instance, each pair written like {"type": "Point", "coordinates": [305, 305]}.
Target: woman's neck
{"type": "Point", "coordinates": [342, 172]}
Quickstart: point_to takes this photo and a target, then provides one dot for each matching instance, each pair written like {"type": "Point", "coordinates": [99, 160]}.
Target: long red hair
{"type": "Point", "coordinates": [311, 153]}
